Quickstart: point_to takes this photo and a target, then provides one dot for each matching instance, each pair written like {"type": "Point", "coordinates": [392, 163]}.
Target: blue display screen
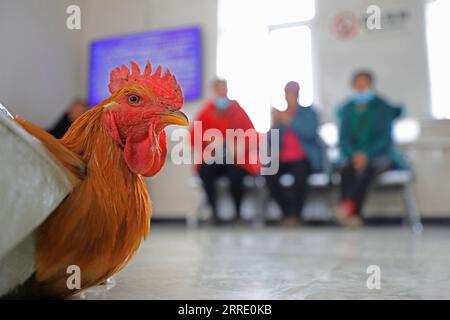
{"type": "Point", "coordinates": [177, 49]}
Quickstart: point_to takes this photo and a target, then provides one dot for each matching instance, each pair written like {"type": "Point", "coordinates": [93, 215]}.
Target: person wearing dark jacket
{"type": "Point", "coordinates": [76, 109]}
{"type": "Point", "coordinates": [366, 146]}
{"type": "Point", "coordinates": [300, 153]}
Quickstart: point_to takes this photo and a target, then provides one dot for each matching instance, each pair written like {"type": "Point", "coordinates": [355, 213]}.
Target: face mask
{"type": "Point", "coordinates": [222, 103]}
{"type": "Point", "coordinates": [362, 97]}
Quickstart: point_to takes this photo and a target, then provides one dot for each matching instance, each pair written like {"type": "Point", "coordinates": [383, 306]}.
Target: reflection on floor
{"type": "Point", "coordinates": [278, 263]}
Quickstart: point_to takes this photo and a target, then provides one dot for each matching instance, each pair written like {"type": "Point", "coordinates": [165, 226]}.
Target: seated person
{"type": "Point", "coordinates": [300, 153]}
{"type": "Point", "coordinates": [221, 113]}
{"type": "Point", "coordinates": [76, 109]}
{"type": "Point", "coordinates": [365, 143]}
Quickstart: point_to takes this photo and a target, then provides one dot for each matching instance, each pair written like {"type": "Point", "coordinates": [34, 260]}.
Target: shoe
{"type": "Point", "coordinates": [291, 221]}
{"type": "Point", "coordinates": [346, 215]}
{"type": "Point", "coordinates": [217, 222]}
{"type": "Point", "coordinates": [240, 222]}
{"type": "Point", "coordinates": [354, 222]}
{"type": "Point", "coordinates": [341, 215]}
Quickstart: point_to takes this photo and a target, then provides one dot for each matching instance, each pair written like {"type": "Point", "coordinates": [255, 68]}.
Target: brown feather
{"type": "Point", "coordinates": [70, 160]}
{"type": "Point", "coordinates": [100, 225]}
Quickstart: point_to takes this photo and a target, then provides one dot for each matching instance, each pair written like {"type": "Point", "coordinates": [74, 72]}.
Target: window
{"type": "Point", "coordinates": [263, 44]}
{"type": "Point", "coordinates": [290, 60]}
{"type": "Point", "coordinates": [438, 56]}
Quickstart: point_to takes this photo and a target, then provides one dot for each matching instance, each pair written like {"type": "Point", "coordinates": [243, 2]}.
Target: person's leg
{"type": "Point", "coordinates": [276, 189]}
{"type": "Point", "coordinates": [347, 174]}
{"type": "Point", "coordinates": [209, 173]}
{"type": "Point", "coordinates": [236, 176]}
{"type": "Point", "coordinates": [346, 212]}
{"type": "Point", "coordinates": [300, 170]}
{"type": "Point", "coordinates": [355, 186]}
{"type": "Point", "coordinates": [360, 187]}
{"type": "Point", "coordinates": [365, 178]}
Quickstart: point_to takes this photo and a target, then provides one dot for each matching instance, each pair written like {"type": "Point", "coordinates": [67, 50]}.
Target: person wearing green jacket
{"type": "Point", "coordinates": [366, 146]}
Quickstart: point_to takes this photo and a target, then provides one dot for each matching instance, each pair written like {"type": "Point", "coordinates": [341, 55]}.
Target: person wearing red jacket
{"type": "Point", "coordinates": [222, 114]}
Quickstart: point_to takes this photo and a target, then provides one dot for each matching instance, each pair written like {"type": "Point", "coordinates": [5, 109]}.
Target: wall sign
{"type": "Point", "coordinates": [347, 25]}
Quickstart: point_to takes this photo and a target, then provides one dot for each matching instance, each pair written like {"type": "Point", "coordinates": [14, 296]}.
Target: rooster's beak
{"type": "Point", "coordinates": [175, 117]}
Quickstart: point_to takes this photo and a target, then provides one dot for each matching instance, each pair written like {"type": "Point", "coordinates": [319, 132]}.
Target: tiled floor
{"type": "Point", "coordinates": [278, 263]}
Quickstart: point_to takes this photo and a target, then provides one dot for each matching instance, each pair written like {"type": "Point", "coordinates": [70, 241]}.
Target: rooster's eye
{"type": "Point", "coordinates": [134, 99]}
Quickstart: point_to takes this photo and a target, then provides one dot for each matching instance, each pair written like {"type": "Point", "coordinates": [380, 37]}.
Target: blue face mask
{"type": "Point", "coordinates": [222, 103]}
{"type": "Point", "coordinates": [363, 97]}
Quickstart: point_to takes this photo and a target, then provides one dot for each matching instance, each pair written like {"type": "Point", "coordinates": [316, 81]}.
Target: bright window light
{"type": "Point", "coordinates": [292, 61]}
{"type": "Point", "coordinates": [406, 130]}
{"type": "Point", "coordinates": [257, 62]}
{"type": "Point", "coordinates": [439, 56]}
{"type": "Point", "coordinates": [289, 11]}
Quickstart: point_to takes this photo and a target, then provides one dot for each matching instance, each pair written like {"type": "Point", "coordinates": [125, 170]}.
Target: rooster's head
{"type": "Point", "coordinates": [135, 116]}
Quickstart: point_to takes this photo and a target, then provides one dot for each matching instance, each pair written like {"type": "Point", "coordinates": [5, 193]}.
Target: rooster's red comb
{"type": "Point", "coordinates": [165, 87]}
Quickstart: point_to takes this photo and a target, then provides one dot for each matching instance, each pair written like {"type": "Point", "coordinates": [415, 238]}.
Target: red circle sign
{"type": "Point", "coordinates": [345, 25]}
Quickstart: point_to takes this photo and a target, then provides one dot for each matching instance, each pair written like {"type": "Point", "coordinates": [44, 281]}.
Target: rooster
{"type": "Point", "coordinates": [106, 152]}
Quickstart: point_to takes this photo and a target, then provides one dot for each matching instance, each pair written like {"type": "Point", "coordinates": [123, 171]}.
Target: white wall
{"type": "Point", "coordinates": [399, 59]}
{"type": "Point", "coordinates": [39, 59]}
{"type": "Point", "coordinates": [397, 56]}
{"type": "Point", "coordinates": [43, 66]}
